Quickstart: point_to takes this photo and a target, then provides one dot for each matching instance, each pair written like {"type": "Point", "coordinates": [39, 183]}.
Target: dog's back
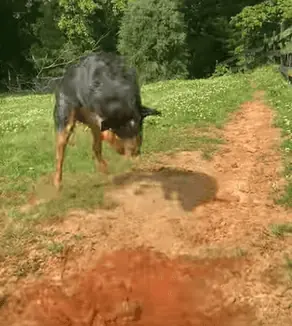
{"type": "Point", "coordinates": [103, 84]}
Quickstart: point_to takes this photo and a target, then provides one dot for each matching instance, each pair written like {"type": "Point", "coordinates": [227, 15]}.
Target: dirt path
{"type": "Point", "coordinates": [213, 213]}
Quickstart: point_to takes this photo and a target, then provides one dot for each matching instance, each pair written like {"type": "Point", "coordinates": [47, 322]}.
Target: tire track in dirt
{"type": "Point", "coordinates": [202, 210]}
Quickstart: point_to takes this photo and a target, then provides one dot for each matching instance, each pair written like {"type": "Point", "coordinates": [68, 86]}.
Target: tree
{"type": "Point", "coordinates": [16, 38]}
{"type": "Point", "coordinates": [209, 32]}
{"type": "Point", "coordinates": [88, 22]}
{"type": "Point", "coordinates": [66, 30]}
{"type": "Point", "coordinates": [50, 41]}
{"type": "Point", "coordinates": [153, 38]}
{"type": "Point", "coordinates": [257, 31]}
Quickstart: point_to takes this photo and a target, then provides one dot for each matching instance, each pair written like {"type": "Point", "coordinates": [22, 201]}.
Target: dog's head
{"type": "Point", "coordinates": [127, 139]}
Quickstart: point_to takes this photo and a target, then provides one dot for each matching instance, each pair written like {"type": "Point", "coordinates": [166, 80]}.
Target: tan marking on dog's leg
{"type": "Point", "coordinates": [72, 138]}
{"type": "Point", "coordinates": [92, 121]}
{"type": "Point", "coordinates": [132, 146]}
{"type": "Point", "coordinates": [61, 143]}
{"type": "Point", "coordinates": [100, 163]}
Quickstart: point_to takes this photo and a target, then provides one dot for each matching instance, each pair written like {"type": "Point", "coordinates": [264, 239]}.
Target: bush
{"type": "Point", "coordinates": [152, 37]}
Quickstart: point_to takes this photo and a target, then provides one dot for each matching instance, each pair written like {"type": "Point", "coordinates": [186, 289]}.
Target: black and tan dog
{"type": "Point", "coordinates": [102, 93]}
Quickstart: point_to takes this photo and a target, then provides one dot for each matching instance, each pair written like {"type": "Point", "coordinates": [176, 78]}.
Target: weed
{"type": "Point", "coordinates": [78, 237]}
{"type": "Point", "coordinates": [56, 248]}
{"type": "Point", "coordinates": [288, 265]}
{"type": "Point", "coordinates": [240, 252]}
{"type": "Point", "coordinates": [13, 237]}
{"type": "Point", "coordinates": [279, 230]}
{"type": "Point", "coordinates": [27, 267]}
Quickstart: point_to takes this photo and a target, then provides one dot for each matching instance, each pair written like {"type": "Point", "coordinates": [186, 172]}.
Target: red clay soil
{"type": "Point", "coordinates": [138, 287]}
{"type": "Point", "coordinates": [185, 206]}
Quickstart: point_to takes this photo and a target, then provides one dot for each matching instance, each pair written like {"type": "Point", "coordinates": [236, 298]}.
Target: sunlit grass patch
{"type": "Point", "coordinates": [27, 139]}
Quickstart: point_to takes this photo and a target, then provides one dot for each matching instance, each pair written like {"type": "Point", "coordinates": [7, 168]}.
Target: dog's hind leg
{"type": "Point", "coordinates": [64, 131]}
{"type": "Point", "coordinates": [100, 163]}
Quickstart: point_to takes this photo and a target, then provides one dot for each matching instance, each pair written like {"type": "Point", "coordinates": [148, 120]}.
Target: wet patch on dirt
{"type": "Point", "coordinates": [137, 287]}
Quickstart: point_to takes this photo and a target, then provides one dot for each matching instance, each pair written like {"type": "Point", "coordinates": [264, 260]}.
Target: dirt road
{"type": "Point", "coordinates": [213, 215]}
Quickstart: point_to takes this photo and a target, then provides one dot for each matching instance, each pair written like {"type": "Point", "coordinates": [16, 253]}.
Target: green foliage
{"type": "Point", "coordinates": [163, 39]}
{"type": "Point", "coordinates": [119, 6]}
{"type": "Point", "coordinates": [206, 33]}
{"type": "Point", "coordinates": [89, 23]}
{"type": "Point", "coordinates": [65, 30]}
{"type": "Point", "coordinates": [16, 37]}
{"type": "Point", "coordinates": [257, 32]}
{"type": "Point", "coordinates": [75, 20]}
{"type": "Point", "coordinates": [50, 49]}
{"type": "Point", "coordinates": [209, 32]}
{"type": "Point", "coordinates": [221, 70]}
{"type": "Point", "coordinates": [152, 36]}
{"type": "Point", "coordinates": [286, 8]}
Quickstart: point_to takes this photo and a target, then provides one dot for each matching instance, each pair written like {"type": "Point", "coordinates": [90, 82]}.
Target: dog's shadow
{"type": "Point", "coordinates": [191, 188]}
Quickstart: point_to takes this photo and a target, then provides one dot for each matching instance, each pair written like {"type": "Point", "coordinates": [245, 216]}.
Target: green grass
{"type": "Point", "coordinates": [279, 230]}
{"type": "Point", "coordinates": [279, 97]}
{"type": "Point", "coordinates": [27, 149]}
{"type": "Point", "coordinates": [55, 247]}
{"type": "Point", "coordinates": [288, 266]}
{"type": "Point", "coordinates": [27, 137]}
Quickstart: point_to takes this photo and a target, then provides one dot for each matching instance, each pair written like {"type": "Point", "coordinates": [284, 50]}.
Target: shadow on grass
{"type": "Point", "coordinates": [83, 192]}
{"type": "Point", "coordinates": [37, 200]}
{"type": "Point", "coordinates": [191, 188]}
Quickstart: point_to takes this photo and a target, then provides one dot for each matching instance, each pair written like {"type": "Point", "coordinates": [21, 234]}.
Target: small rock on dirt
{"type": "Point", "coordinates": [230, 301]}
{"type": "Point", "coordinates": [3, 298]}
{"type": "Point", "coordinates": [250, 149]}
{"type": "Point", "coordinates": [128, 310]}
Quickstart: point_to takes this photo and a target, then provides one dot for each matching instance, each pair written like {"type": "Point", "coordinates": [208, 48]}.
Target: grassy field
{"type": "Point", "coordinates": [27, 147]}
{"type": "Point", "coordinates": [27, 140]}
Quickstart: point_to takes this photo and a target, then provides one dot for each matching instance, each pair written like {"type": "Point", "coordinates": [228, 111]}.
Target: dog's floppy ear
{"type": "Point", "coordinates": [145, 112]}
{"type": "Point", "coordinates": [104, 125]}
